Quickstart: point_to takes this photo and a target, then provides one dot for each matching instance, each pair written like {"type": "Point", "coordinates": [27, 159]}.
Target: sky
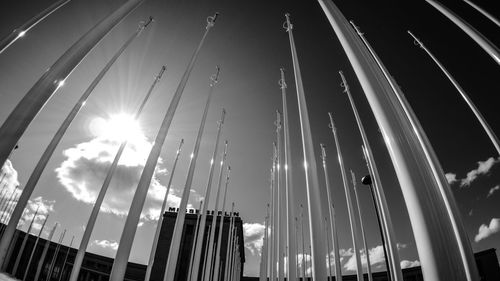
{"type": "Point", "coordinates": [250, 45]}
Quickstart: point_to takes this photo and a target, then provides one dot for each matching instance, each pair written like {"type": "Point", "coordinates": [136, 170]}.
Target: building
{"type": "Point", "coordinates": [97, 267]}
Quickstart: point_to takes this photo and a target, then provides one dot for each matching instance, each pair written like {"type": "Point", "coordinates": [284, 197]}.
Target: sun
{"type": "Point", "coordinates": [118, 127]}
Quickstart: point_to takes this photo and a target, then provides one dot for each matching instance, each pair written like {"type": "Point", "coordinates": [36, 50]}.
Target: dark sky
{"type": "Point", "coordinates": [250, 45]}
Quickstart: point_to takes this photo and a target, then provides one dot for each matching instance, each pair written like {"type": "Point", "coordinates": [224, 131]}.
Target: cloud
{"type": "Point", "coordinates": [253, 234]}
{"type": "Point", "coordinates": [106, 244]}
{"type": "Point", "coordinates": [482, 169]}
{"type": "Point", "coordinates": [45, 207]}
{"type": "Point", "coordinates": [487, 230]}
{"type": "Point", "coordinates": [493, 190]}
{"type": "Point", "coordinates": [377, 258]}
{"type": "Point", "coordinates": [451, 177]}
{"type": "Point", "coordinates": [8, 175]}
{"type": "Point", "coordinates": [85, 166]}
{"type": "Point", "coordinates": [407, 263]}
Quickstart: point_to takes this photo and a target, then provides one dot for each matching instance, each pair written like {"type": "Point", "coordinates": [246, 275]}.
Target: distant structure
{"type": "Point", "coordinates": [97, 267]}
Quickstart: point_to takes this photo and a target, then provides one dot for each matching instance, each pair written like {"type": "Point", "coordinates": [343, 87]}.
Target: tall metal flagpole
{"type": "Point", "coordinates": [160, 218]}
{"type": "Point", "coordinates": [104, 188]}
{"type": "Point", "coordinates": [434, 167]}
{"type": "Point", "coordinates": [47, 154]}
{"type": "Point", "coordinates": [209, 262]}
{"type": "Point", "coordinates": [263, 251]}
{"type": "Point", "coordinates": [23, 244]}
{"type": "Point", "coordinates": [27, 269]}
{"type": "Point", "coordinates": [208, 190]}
{"type": "Point", "coordinates": [303, 242]}
{"type": "Point", "coordinates": [173, 253]}
{"type": "Point", "coordinates": [330, 275]}
{"type": "Point", "coordinates": [191, 256]}
{"type": "Point", "coordinates": [333, 226]}
{"type": "Point", "coordinates": [485, 13]}
{"type": "Point", "coordinates": [480, 39]}
{"type": "Point", "coordinates": [279, 197]}
{"type": "Point", "coordinates": [206, 252]}
{"type": "Point", "coordinates": [311, 172]}
{"type": "Point", "coordinates": [54, 257]}
{"type": "Point", "coordinates": [493, 137]}
{"type": "Point", "coordinates": [65, 259]}
{"type": "Point", "coordinates": [23, 29]}
{"type": "Point", "coordinates": [442, 256]}
{"type": "Point", "coordinates": [297, 265]}
{"type": "Point", "coordinates": [350, 206]}
{"type": "Point", "coordinates": [367, 250]}
{"type": "Point", "coordinates": [26, 110]}
{"type": "Point", "coordinates": [6, 206]}
{"type": "Point", "coordinates": [274, 250]}
{"type": "Point", "coordinates": [230, 244]}
{"type": "Point", "coordinates": [387, 228]}
{"type": "Point", "coordinates": [219, 239]}
{"type": "Point", "coordinates": [41, 260]}
{"type": "Point", "coordinates": [290, 197]}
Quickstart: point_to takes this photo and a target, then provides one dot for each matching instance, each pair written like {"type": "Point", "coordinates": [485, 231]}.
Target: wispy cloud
{"type": "Point", "coordinates": [488, 230]}
{"type": "Point", "coordinates": [377, 258]}
{"type": "Point", "coordinates": [408, 264]}
{"type": "Point", "coordinates": [483, 167]}
{"type": "Point", "coordinates": [106, 244]}
{"type": "Point", "coordinates": [493, 190]}
{"type": "Point", "coordinates": [254, 234]}
{"type": "Point", "coordinates": [45, 207]}
{"type": "Point", "coordinates": [451, 178]}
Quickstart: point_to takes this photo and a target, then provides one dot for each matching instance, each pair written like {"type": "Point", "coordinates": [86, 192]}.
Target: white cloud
{"type": "Point", "coordinates": [493, 190]}
{"type": "Point", "coordinates": [253, 234]}
{"type": "Point", "coordinates": [487, 230]}
{"type": "Point", "coordinates": [45, 207]}
{"type": "Point", "coordinates": [9, 175]}
{"type": "Point", "coordinates": [408, 264]}
{"type": "Point", "coordinates": [451, 177]}
{"type": "Point", "coordinates": [377, 258]}
{"type": "Point", "coordinates": [84, 169]}
{"type": "Point", "coordinates": [106, 244]}
{"type": "Point", "coordinates": [482, 169]}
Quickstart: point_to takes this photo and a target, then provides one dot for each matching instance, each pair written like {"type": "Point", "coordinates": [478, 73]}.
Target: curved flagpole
{"type": "Point", "coordinates": [350, 206]}
{"type": "Point", "coordinates": [493, 137]}
{"type": "Point", "coordinates": [219, 239]}
{"type": "Point", "coordinates": [27, 269]}
{"type": "Point", "coordinates": [104, 188]}
{"type": "Point", "coordinates": [195, 234]}
{"type": "Point", "coordinates": [208, 191]}
{"type": "Point", "coordinates": [26, 110]}
{"type": "Point", "coordinates": [23, 29]}
{"type": "Point", "coordinates": [333, 226]}
{"type": "Point", "coordinates": [367, 250]}
{"type": "Point", "coordinates": [47, 154]}
{"type": "Point", "coordinates": [65, 259]}
{"type": "Point", "coordinates": [211, 242]}
{"type": "Point", "coordinates": [311, 172]}
{"type": "Point", "coordinates": [485, 13]}
{"type": "Point", "coordinates": [426, 196]}
{"type": "Point", "coordinates": [173, 253]}
{"type": "Point", "coordinates": [160, 218]}
{"type": "Point", "coordinates": [434, 167]}
{"type": "Point", "coordinates": [387, 228]}
{"type": "Point", "coordinates": [23, 244]}
{"type": "Point", "coordinates": [480, 39]}
{"type": "Point", "coordinates": [290, 197]}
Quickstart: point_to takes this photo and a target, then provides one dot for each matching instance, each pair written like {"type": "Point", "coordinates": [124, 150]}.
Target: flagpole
{"type": "Point", "coordinates": [54, 257]}
{"type": "Point", "coordinates": [49, 150]}
{"type": "Point", "coordinates": [279, 198]}
{"type": "Point", "coordinates": [386, 227]}
{"type": "Point", "coordinates": [208, 191]}
{"type": "Point", "coordinates": [485, 13]}
{"type": "Point", "coordinates": [274, 249]}
{"type": "Point", "coordinates": [328, 252]}
{"type": "Point", "coordinates": [290, 197]}
{"type": "Point", "coordinates": [229, 246]}
{"type": "Point", "coordinates": [26, 110]}
{"type": "Point", "coordinates": [219, 239]}
{"type": "Point", "coordinates": [434, 167]}
{"type": "Point", "coordinates": [333, 226]}
{"type": "Point", "coordinates": [23, 244]}
{"type": "Point", "coordinates": [160, 218]}
{"type": "Point", "coordinates": [23, 29]}
{"type": "Point", "coordinates": [26, 270]}
{"type": "Point", "coordinates": [350, 206]}
{"type": "Point", "coordinates": [41, 260]}
{"type": "Point", "coordinates": [303, 242]}
{"type": "Point", "coordinates": [211, 242]}
{"type": "Point", "coordinates": [65, 259]}
{"type": "Point", "coordinates": [367, 250]}
{"type": "Point", "coordinates": [475, 35]}
{"type": "Point", "coordinates": [311, 173]}
{"type": "Point", "coordinates": [440, 252]}
{"type": "Point", "coordinates": [195, 234]}
{"type": "Point", "coordinates": [75, 271]}
{"type": "Point", "coordinates": [204, 264]}
{"type": "Point", "coordinates": [263, 251]}
{"type": "Point", "coordinates": [173, 253]}
{"type": "Point", "coordinates": [493, 137]}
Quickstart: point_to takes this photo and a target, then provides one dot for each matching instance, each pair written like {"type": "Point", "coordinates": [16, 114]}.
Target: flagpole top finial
{"type": "Point", "coordinates": [416, 41]}
{"type": "Point", "coordinates": [211, 20]}
{"type": "Point", "coordinates": [343, 84]}
{"type": "Point", "coordinates": [287, 25]}
{"type": "Point", "coordinates": [358, 31]}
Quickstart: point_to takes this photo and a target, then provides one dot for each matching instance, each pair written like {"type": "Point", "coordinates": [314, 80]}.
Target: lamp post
{"type": "Point", "coordinates": [367, 180]}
